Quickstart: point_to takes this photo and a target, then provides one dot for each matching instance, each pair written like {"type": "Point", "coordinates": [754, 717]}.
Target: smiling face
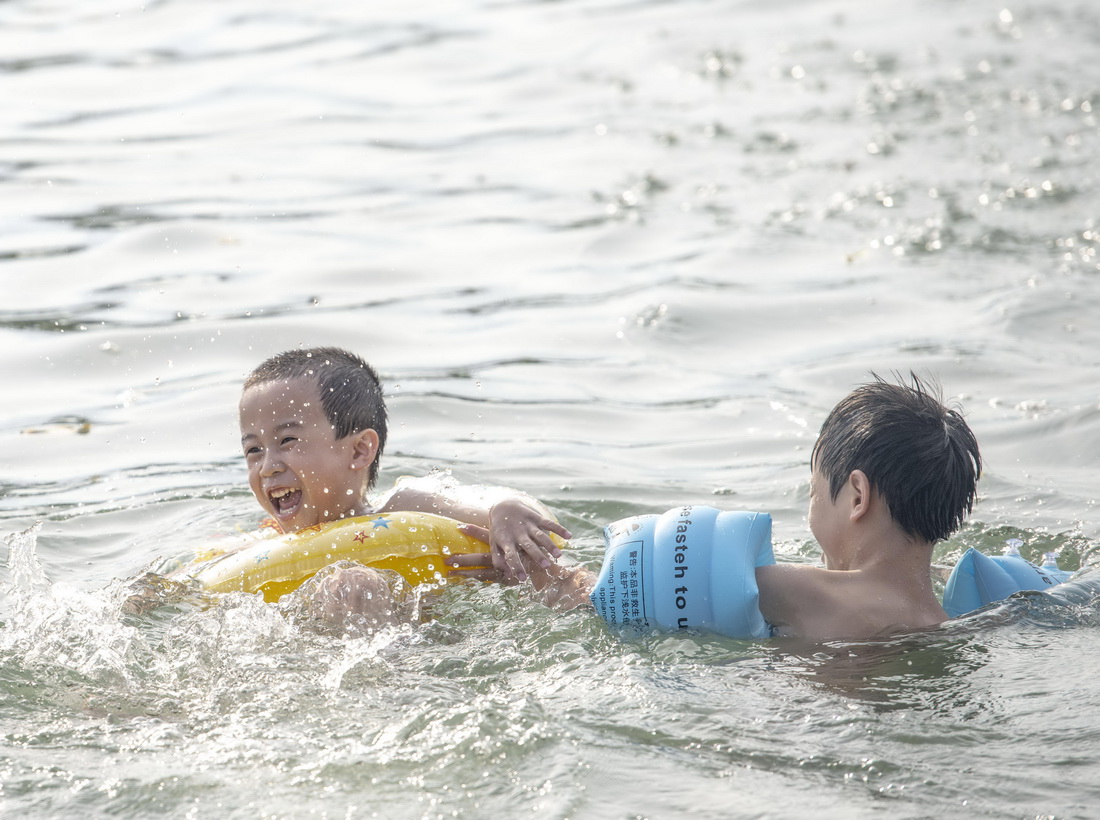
{"type": "Point", "coordinates": [297, 468]}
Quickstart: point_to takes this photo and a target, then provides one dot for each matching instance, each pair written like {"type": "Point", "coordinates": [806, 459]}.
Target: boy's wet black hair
{"type": "Point", "coordinates": [918, 454]}
{"type": "Point", "coordinates": [351, 393]}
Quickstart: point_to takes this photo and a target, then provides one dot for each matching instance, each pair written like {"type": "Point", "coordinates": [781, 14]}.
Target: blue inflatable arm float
{"type": "Point", "coordinates": [690, 568]}
{"type": "Point", "coordinates": [980, 579]}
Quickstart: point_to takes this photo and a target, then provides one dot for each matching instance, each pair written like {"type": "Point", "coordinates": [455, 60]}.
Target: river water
{"type": "Point", "coordinates": [621, 254]}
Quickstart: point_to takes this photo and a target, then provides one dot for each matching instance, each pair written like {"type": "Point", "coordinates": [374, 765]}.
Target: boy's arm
{"type": "Point", "coordinates": [410, 499]}
{"type": "Point", "coordinates": [514, 528]}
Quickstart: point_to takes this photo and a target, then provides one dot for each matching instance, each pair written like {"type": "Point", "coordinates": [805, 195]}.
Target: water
{"type": "Point", "coordinates": [621, 255]}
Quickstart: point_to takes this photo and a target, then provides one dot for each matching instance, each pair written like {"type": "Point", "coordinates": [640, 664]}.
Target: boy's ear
{"type": "Point", "coordinates": [366, 449]}
{"type": "Point", "coordinates": [861, 497]}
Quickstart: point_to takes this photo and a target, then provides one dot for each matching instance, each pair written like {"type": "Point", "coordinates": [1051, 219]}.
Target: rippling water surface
{"type": "Point", "coordinates": [621, 255]}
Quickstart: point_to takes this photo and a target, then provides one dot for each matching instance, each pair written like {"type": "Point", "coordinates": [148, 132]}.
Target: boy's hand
{"type": "Point", "coordinates": [475, 565]}
{"type": "Point", "coordinates": [563, 587]}
{"type": "Point", "coordinates": [518, 533]}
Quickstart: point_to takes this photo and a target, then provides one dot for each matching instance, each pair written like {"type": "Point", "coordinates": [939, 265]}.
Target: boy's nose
{"type": "Point", "coordinates": [270, 467]}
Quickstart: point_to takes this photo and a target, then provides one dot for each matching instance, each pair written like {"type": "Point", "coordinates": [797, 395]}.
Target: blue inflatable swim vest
{"type": "Point", "coordinates": [690, 568]}
{"type": "Point", "coordinates": [980, 579]}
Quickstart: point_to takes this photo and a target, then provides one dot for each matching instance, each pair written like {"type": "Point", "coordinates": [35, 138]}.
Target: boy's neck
{"type": "Point", "coordinates": [877, 542]}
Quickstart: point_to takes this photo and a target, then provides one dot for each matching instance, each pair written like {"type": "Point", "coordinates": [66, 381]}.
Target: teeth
{"type": "Point", "coordinates": [280, 493]}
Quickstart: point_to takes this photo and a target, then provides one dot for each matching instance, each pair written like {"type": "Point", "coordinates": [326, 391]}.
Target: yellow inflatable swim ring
{"type": "Point", "coordinates": [412, 544]}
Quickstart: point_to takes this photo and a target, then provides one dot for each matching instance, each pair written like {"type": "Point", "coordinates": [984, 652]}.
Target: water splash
{"type": "Point", "coordinates": [24, 571]}
{"type": "Point", "coordinates": [55, 625]}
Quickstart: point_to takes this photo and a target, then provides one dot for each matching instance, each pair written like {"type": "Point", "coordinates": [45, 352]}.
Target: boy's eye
{"type": "Point", "coordinates": [288, 440]}
{"type": "Point", "coordinates": [250, 451]}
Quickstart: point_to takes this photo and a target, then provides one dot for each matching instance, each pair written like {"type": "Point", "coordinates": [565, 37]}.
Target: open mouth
{"type": "Point", "coordinates": [285, 500]}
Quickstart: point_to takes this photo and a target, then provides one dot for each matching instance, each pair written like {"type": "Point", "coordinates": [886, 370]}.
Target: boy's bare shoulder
{"type": "Point", "coordinates": [824, 604]}
{"type": "Point", "coordinates": [789, 589]}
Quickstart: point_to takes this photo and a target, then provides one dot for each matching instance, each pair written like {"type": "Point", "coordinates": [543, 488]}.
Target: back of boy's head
{"type": "Point", "coordinates": [351, 393]}
{"type": "Point", "coordinates": [919, 455]}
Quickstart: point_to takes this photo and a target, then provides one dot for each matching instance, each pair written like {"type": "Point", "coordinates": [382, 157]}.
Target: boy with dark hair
{"type": "Point", "coordinates": [893, 472]}
{"type": "Point", "coordinates": [351, 392]}
{"type": "Point", "coordinates": [313, 426]}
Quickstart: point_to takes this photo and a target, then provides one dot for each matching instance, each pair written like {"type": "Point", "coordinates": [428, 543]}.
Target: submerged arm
{"type": "Point", "coordinates": [557, 585]}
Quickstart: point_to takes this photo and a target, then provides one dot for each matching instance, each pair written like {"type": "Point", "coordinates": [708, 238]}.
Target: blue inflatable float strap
{"type": "Point", "coordinates": [980, 579]}
{"type": "Point", "coordinates": [693, 567]}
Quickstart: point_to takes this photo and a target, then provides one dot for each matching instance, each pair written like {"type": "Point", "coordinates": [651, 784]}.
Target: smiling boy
{"type": "Point", "coordinates": [313, 427]}
{"type": "Point", "coordinates": [302, 468]}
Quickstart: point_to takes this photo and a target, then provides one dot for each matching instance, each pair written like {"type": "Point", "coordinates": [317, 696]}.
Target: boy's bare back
{"type": "Point", "coordinates": [823, 604]}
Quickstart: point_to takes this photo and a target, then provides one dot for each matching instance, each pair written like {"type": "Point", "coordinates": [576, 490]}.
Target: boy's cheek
{"type": "Point", "coordinates": [254, 486]}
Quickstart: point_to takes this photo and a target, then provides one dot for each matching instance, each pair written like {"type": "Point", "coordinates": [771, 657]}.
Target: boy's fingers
{"type": "Point", "coordinates": [508, 565]}
{"type": "Point", "coordinates": [548, 545]}
{"type": "Point", "coordinates": [540, 546]}
{"type": "Point", "coordinates": [470, 560]}
{"type": "Point", "coordinates": [539, 552]}
{"type": "Point", "coordinates": [515, 572]}
{"type": "Point", "coordinates": [483, 574]}
{"type": "Point", "coordinates": [557, 529]}
{"type": "Point", "coordinates": [481, 566]}
{"type": "Point", "coordinates": [474, 531]}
